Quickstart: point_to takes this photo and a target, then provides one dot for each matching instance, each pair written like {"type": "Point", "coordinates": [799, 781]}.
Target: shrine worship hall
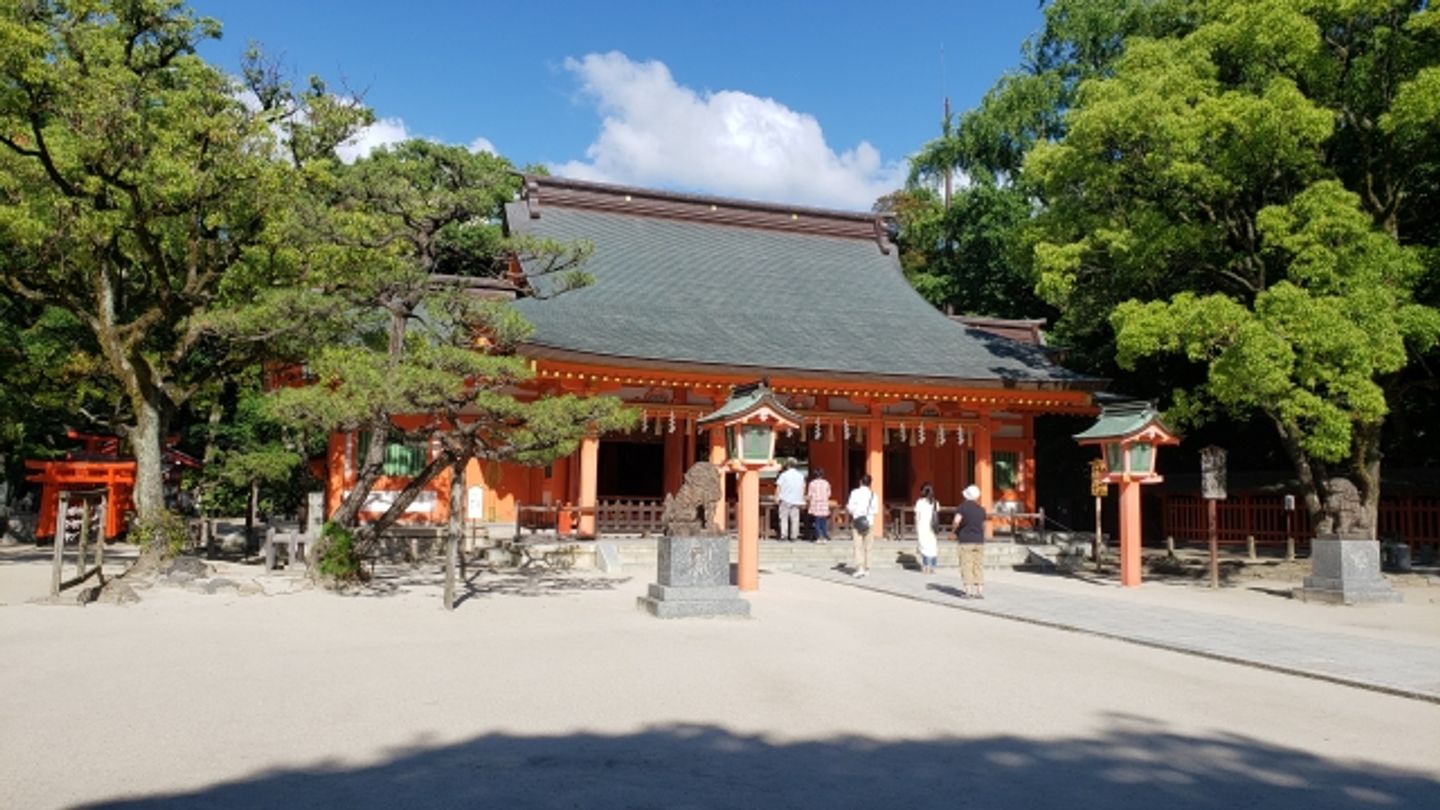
{"type": "Point", "coordinates": [695, 295]}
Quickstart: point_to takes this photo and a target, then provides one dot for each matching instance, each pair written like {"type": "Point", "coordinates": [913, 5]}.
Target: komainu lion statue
{"type": "Point", "coordinates": [1344, 511]}
{"type": "Point", "coordinates": [691, 509]}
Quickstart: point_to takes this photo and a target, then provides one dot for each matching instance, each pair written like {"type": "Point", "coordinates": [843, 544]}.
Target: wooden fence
{"type": "Point", "coordinates": [1414, 520]}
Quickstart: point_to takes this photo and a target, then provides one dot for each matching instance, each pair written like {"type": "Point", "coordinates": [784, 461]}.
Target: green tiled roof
{"type": "Point", "coordinates": [688, 292]}
{"type": "Point", "coordinates": [744, 399]}
{"type": "Point", "coordinates": [1122, 419]}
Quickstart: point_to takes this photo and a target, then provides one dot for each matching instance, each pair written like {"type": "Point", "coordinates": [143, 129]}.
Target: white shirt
{"type": "Point", "coordinates": [790, 487]}
{"type": "Point", "coordinates": [863, 502]}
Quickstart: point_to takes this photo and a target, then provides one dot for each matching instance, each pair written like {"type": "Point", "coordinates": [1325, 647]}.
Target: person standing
{"type": "Point", "coordinates": [927, 518]}
{"type": "Point", "coordinates": [970, 531]}
{"type": "Point", "coordinates": [863, 509]}
{"type": "Point", "coordinates": [817, 496]}
{"type": "Point", "coordinates": [790, 495]}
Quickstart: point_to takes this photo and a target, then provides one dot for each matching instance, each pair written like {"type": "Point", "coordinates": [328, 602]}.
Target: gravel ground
{"type": "Point", "coordinates": [552, 690]}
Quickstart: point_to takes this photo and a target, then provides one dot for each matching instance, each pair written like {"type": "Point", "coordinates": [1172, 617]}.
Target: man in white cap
{"type": "Point", "coordinates": [970, 531]}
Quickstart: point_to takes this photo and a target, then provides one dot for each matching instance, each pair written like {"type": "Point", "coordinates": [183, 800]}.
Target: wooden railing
{"type": "Point", "coordinates": [629, 516]}
{"type": "Point", "coordinates": [1415, 520]}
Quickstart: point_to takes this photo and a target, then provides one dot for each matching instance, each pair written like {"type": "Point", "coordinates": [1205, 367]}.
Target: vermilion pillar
{"type": "Point", "coordinates": [674, 460]}
{"type": "Point", "coordinates": [1130, 533]}
{"type": "Point", "coordinates": [875, 466]}
{"type": "Point", "coordinates": [717, 457]}
{"type": "Point", "coordinates": [589, 481]}
{"type": "Point", "coordinates": [984, 469]}
{"type": "Point", "coordinates": [747, 568]}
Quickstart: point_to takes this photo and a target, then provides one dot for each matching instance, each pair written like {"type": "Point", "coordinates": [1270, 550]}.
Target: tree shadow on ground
{"type": "Point", "coordinates": [536, 582]}
{"type": "Point", "coordinates": [483, 581]}
{"type": "Point", "coordinates": [1135, 763]}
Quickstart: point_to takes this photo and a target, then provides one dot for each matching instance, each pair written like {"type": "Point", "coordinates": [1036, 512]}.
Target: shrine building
{"type": "Point", "coordinates": [693, 295]}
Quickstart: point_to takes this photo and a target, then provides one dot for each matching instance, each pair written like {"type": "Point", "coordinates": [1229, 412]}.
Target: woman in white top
{"type": "Point", "coordinates": [925, 511]}
{"type": "Point", "coordinates": [862, 506]}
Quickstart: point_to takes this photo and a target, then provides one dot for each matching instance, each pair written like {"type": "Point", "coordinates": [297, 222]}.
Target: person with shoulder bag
{"type": "Point", "coordinates": [863, 509]}
{"type": "Point", "coordinates": [969, 528]}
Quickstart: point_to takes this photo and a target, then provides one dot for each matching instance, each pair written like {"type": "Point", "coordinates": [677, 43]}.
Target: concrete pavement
{"type": "Point", "coordinates": [1385, 665]}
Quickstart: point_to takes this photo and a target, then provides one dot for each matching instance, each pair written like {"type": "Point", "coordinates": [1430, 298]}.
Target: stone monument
{"type": "Point", "coordinates": [693, 559]}
{"type": "Point", "coordinates": [1345, 560]}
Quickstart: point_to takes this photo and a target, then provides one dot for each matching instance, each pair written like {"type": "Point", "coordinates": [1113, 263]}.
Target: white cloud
{"type": "Point", "coordinates": [659, 133]}
{"type": "Point", "coordinates": [387, 131]}
{"type": "Point", "coordinates": [384, 132]}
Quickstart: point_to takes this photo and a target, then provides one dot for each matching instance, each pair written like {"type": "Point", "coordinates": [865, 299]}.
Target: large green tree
{"type": "Point", "coordinates": [1252, 193]}
{"type": "Point", "coordinates": [135, 182]}
{"type": "Point", "coordinates": [975, 254]}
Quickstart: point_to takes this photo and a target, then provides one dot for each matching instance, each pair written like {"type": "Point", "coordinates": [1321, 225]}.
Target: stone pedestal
{"type": "Point", "coordinates": [693, 579]}
{"type": "Point", "coordinates": [1346, 570]}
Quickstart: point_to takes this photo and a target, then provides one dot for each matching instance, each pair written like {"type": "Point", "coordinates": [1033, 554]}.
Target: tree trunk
{"type": "Point", "coordinates": [365, 535]}
{"type": "Point", "coordinates": [147, 443]}
{"type": "Point", "coordinates": [452, 537]}
{"type": "Point", "coordinates": [251, 510]}
{"type": "Point", "coordinates": [370, 468]}
{"type": "Point", "coordinates": [349, 512]}
{"type": "Point", "coordinates": [1367, 470]}
{"type": "Point", "coordinates": [1304, 470]}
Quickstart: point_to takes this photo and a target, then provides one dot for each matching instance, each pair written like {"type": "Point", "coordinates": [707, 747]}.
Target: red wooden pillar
{"type": "Point", "coordinates": [717, 457]}
{"type": "Point", "coordinates": [1130, 533]}
{"type": "Point", "coordinates": [747, 567]}
{"type": "Point", "coordinates": [589, 482]}
{"type": "Point", "coordinates": [875, 466]}
{"type": "Point", "coordinates": [984, 470]}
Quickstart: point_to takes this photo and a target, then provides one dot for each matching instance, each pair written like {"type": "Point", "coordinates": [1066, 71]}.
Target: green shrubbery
{"type": "Point", "coordinates": [339, 556]}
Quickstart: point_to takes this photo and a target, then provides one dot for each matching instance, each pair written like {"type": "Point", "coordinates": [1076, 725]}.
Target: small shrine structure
{"type": "Point", "coordinates": [96, 463]}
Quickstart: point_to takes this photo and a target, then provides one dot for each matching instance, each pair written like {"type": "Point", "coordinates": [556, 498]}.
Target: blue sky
{"type": "Point", "coordinates": [807, 102]}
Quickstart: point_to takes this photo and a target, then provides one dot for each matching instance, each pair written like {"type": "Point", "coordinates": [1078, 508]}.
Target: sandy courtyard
{"type": "Point", "coordinates": [554, 691]}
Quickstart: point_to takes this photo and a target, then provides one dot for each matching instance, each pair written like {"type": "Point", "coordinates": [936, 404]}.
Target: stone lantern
{"type": "Point", "coordinates": [750, 418]}
{"type": "Point", "coordinates": [1129, 435]}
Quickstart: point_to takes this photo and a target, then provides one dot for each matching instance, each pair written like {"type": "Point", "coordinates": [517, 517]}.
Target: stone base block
{"type": "Point", "coordinates": [694, 574]}
{"type": "Point", "coordinates": [687, 608]}
{"type": "Point", "coordinates": [672, 602]}
{"type": "Point", "coordinates": [1346, 571]}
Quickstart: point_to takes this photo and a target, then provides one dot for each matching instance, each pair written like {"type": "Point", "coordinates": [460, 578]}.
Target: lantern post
{"type": "Point", "coordinates": [1129, 436]}
{"type": "Point", "coordinates": [750, 419]}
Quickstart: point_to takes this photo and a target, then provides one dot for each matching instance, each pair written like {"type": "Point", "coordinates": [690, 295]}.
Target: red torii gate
{"type": "Point", "coordinates": [97, 464]}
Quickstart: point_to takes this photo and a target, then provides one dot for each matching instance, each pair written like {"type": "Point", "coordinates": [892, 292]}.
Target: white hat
{"type": "Point", "coordinates": [972, 493]}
